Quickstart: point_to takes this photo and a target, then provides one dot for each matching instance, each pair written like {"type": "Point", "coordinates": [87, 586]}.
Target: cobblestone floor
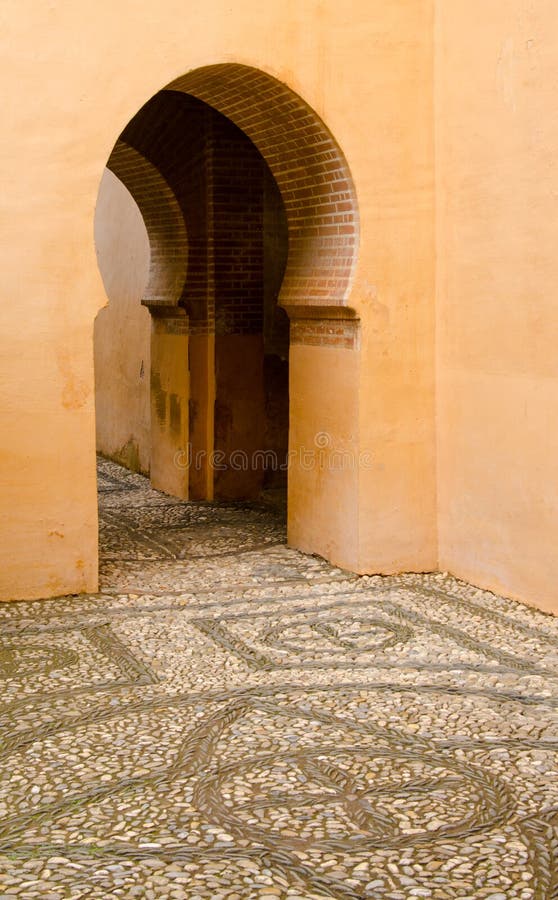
{"type": "Point", "coordinates": [229, 718]}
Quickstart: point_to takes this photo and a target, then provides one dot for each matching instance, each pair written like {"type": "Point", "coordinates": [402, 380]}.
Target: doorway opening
{"type": "Point", "coordinates": [225, 210]}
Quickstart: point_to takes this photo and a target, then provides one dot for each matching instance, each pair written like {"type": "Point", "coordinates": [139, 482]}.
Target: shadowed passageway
{"type": "Point", "coordinates": [229, 718]}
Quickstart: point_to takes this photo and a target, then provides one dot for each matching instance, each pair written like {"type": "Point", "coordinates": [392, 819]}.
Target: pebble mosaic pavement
{"type": "Point", "coordinates": [230, 718]}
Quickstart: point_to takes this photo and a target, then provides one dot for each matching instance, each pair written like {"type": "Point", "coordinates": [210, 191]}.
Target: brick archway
{"type": "Point", "coordinates": [309, 168]}
{"type": "Point", "coordinates": [188, 158]}
{"type": "Point", "coordinates": [306, 162]}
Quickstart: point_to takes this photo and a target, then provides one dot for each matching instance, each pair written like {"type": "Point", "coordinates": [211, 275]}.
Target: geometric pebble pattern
{"type": "Point", "coordinates": [229, 718]}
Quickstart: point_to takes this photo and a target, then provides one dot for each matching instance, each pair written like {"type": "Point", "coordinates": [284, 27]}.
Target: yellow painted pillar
{"type": "Point", "coordinates": [202, 415]}
{"type": "Point", "coordinates": [169, 401]}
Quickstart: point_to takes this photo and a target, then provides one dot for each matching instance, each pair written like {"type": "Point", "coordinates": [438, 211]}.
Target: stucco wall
{"type": "Point", "coordinates": [497, 228]}
{"type": "Point", "coordinates": [73, 75]}
{"type": "Point", "coordinates": [397, 486]}
{"type": "Point", "coordinates": [123, 329]}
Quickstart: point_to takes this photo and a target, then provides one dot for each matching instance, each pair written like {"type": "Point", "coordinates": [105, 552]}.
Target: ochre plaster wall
{"type": "Point", "coordinates": [74, 74]}
{"type": "Point", "coordinates": [122, 333]}
{"type": "Point", "coordinates": [497, 229]}
{"type": "Point", "coordinates": [395, 290]}
{"type": "Point", "coordinates": [323, 445]}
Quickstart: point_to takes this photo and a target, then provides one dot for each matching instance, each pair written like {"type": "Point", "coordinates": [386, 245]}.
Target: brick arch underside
{"type": "Point", "coordinates": [164, 222]}
{"type": "Point", "coordinates": [308, 167]}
